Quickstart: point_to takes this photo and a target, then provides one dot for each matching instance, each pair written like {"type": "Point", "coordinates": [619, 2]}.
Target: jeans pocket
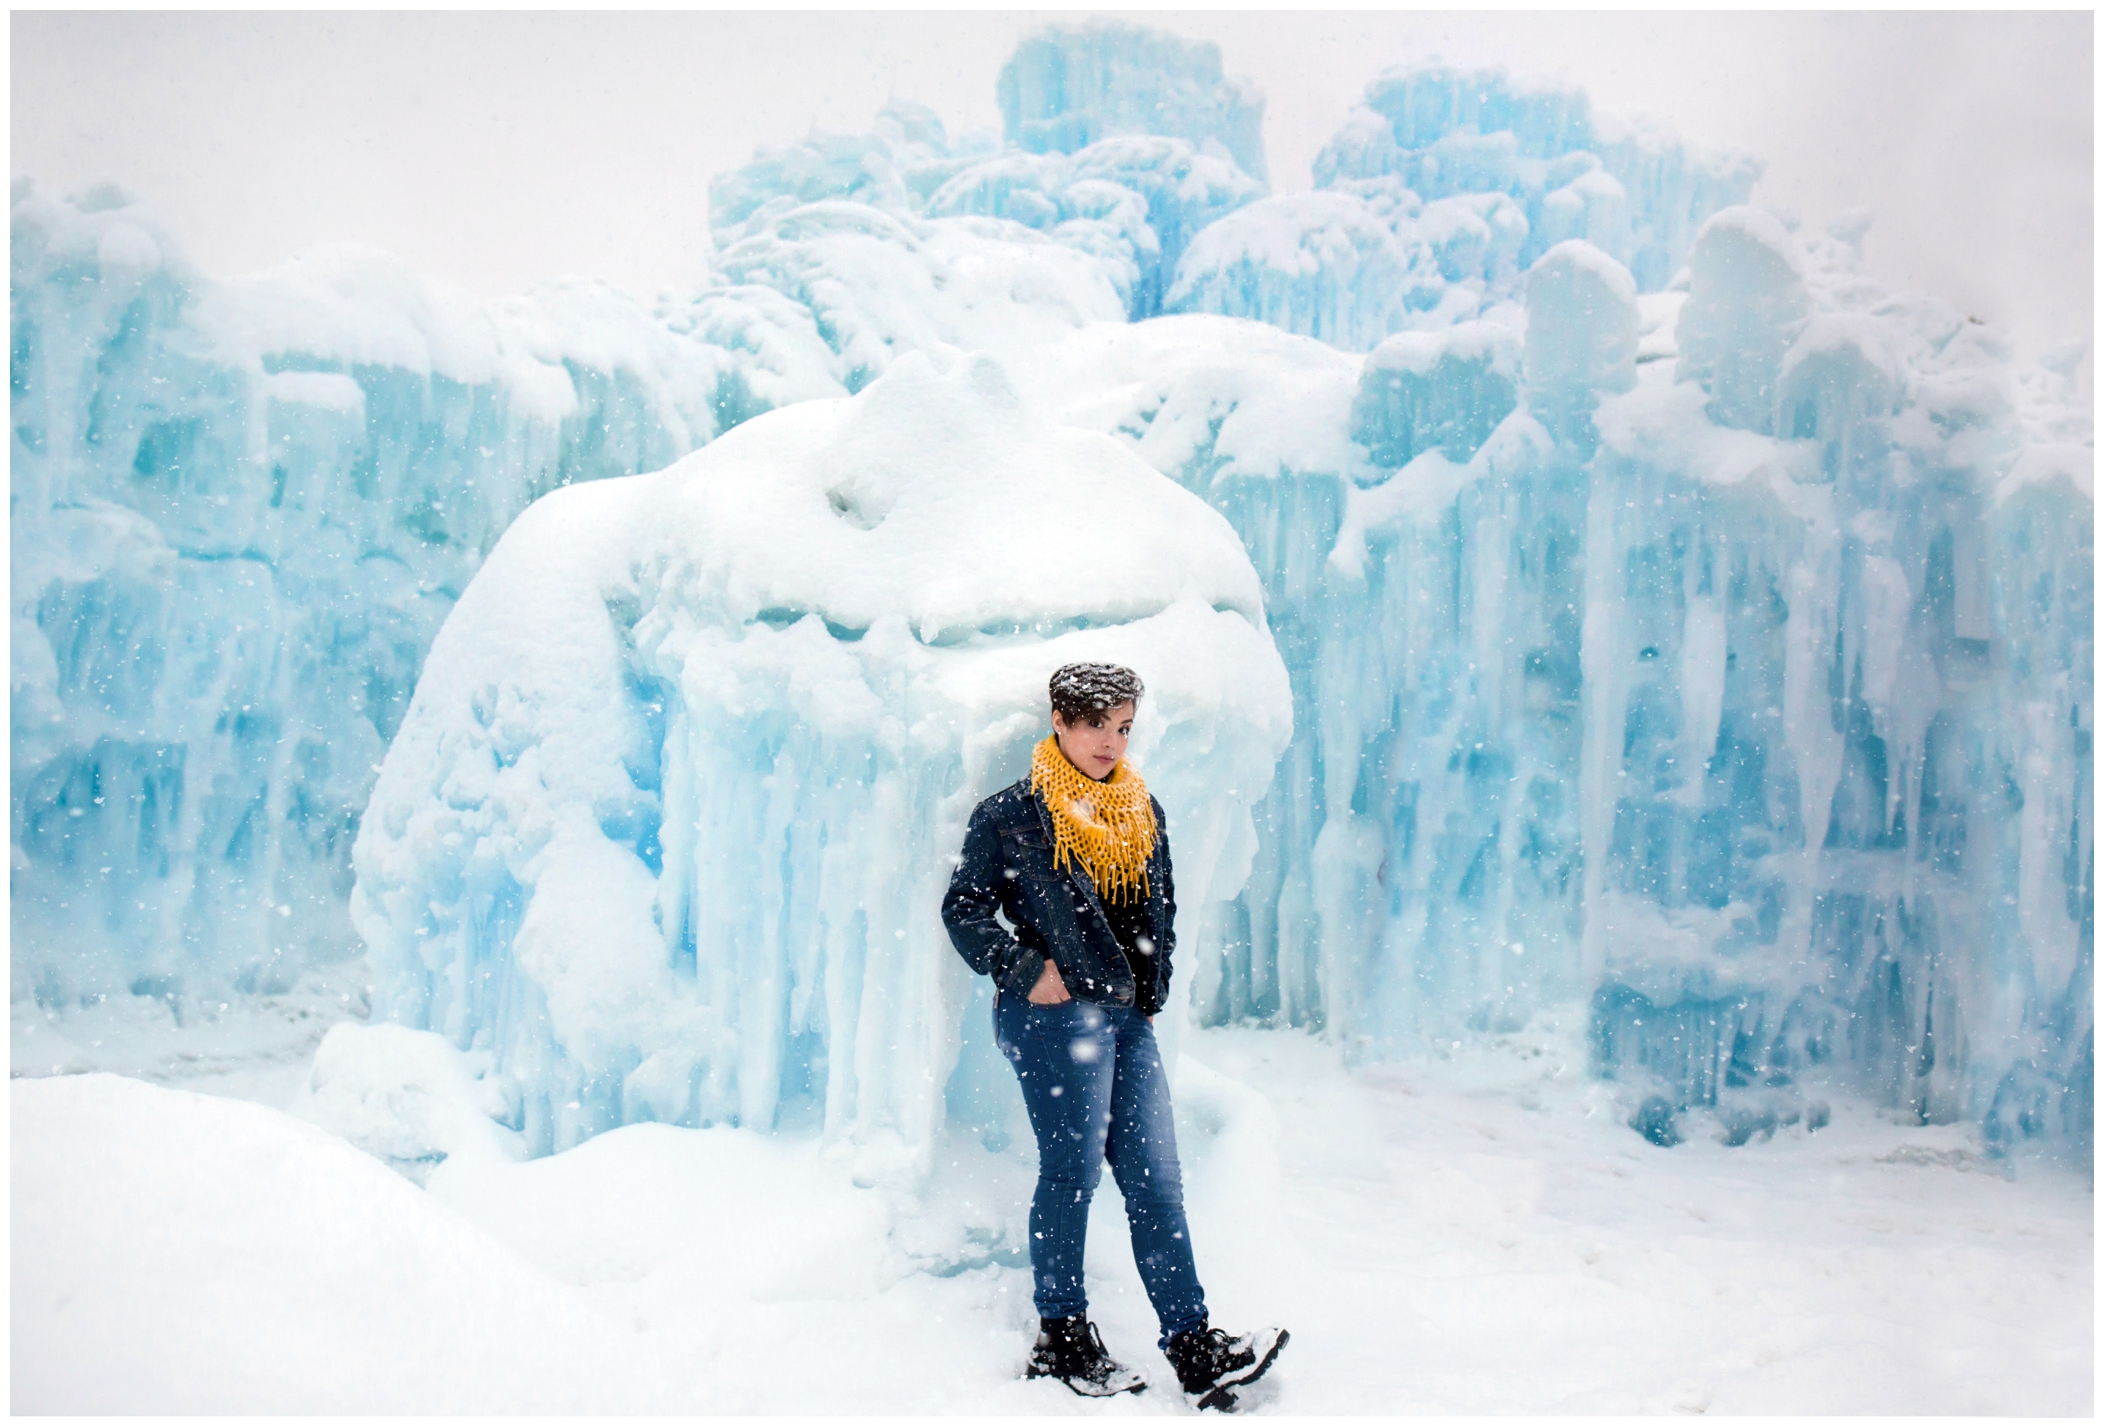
{"type": "Point", "coordinates": [1073, 1031]}
{"type": "Point", "coordinates": [1063, 1023]}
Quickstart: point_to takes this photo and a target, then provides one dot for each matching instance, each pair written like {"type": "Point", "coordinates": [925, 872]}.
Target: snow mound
{"type": "Point", "coordinates": [406, 1097]}
{"type": "Point", "coordinates": [651, 1200]}
{"type": "Point", "coordinates": [178, 1253]}
{"type": "Point", "coordinates": [1208, 401]}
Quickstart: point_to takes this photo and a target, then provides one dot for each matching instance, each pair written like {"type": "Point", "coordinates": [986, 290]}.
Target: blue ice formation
{"type": "Point", "coordinates": [1629, 186]}
{"type": "Point", "coordinates": [1442, 391]}
{"type": "Point", "coordinates": [1067, 86]}
{"type": "Point", "coordinates": [240, 511]}
{"type": "Point", "coordinates": [1438, 192]}
{"type": "Point", "coordinates": [1683, 653]}
{"type": "Point", "coordinates": [1677, 623]}
{"type": "Point", "coordinates": [1320, 264]}
{"type": "Point", "coordinates": [1127, 204]}
{"type": "Point", "coordinates": [905, 158]}
{"type": "Point", "coordinates": [876, 285]}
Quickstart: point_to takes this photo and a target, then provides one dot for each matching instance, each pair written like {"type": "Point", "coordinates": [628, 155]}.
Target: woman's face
{"type": "Point", "coordinates": [1094, 743]}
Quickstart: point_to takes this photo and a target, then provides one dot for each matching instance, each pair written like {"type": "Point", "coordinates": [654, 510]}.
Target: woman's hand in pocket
{"type": "Point", "coordinates": [1050, 991]}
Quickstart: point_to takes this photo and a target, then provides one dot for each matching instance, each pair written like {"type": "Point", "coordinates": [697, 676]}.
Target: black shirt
{"type": "Point", "coordinates": [1128, 923]}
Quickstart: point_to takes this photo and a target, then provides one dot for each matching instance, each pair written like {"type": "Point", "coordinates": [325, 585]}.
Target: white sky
{"type": "Point", "coordinates": [499, 149]}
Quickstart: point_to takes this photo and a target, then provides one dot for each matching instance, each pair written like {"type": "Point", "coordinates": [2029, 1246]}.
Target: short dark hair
{"type": "Point", "coordinates": [1082, 691]}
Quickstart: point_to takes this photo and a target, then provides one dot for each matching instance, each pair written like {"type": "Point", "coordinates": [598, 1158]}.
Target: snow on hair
{"type": "Point", "coordinates": [1079, 690]}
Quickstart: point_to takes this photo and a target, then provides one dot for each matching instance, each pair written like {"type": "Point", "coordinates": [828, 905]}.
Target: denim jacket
{"type": "Point", "coordinates": [1007, 866]}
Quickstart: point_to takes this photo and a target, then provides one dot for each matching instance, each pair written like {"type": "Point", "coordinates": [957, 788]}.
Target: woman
{"type": "Point", "coordinates": [1076, 858]}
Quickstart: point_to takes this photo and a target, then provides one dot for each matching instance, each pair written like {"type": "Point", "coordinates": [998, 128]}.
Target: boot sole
{"type": "Point", "coordinates": [1221, 1397]}
{"type": "Point", "coordinates": [1086, 1389]}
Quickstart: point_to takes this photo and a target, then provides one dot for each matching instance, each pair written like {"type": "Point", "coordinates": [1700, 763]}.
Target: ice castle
{"type": "Point", "coordinates": [1562, 582]}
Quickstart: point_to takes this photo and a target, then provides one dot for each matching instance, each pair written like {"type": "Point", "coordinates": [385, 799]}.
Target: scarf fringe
{"type": "Point", "coordinates": [1106, 828]}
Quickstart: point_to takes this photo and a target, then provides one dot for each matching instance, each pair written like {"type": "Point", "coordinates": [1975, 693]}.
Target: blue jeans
{"type": "Point", "coordinates": [1093, 1083]}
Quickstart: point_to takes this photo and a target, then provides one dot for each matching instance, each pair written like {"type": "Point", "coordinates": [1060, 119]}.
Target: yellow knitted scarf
{"type": "Point", "coordinates": [1108, 827]}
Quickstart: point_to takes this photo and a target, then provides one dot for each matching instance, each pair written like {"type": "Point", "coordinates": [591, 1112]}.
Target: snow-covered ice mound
{"type": "Point", "coordinates": [668, 820]}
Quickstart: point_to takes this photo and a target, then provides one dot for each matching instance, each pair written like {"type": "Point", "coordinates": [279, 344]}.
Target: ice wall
{"type": "Point", "coordinates": [877, 284]}
{"type": "Point", "coordinates": [238, 512]}
{"type": "Point", "coordinates": [669, 820]}
{"type": "Point", "coordinates": [1684, 654]}
{"type": "Point", "coordinates": [1677, 621]}
{"type": "Point", "coordinates": [241, 508]}
{"type": "Point", "coordinates": [1856, 642]}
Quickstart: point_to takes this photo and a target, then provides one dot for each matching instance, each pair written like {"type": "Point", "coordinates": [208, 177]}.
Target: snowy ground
{"type": "Point", "coordinates": [255, 1050]}
{"type": "Point", "coordinates": [1474, 1235]}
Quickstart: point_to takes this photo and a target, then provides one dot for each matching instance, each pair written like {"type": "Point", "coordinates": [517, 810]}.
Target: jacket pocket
{"type": "Point", "coordinates": [1033, 853]}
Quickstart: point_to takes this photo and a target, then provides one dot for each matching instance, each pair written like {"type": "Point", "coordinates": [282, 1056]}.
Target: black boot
{"type": "Point", "coordinates": [1071, 1351]}
{"type": "Point", "coordinates": [1211, 1365]}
